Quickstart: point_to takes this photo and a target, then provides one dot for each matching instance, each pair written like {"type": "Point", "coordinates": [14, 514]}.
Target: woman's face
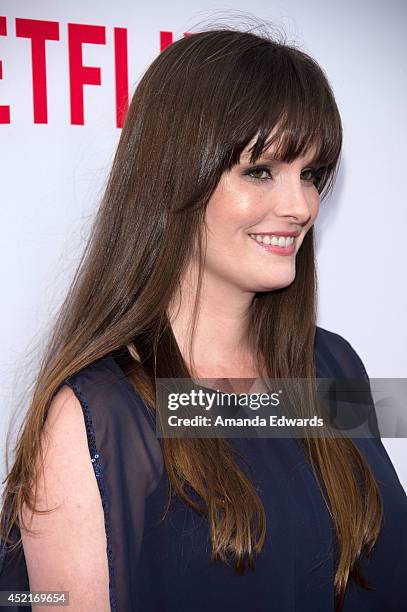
{"type": "Point", "coordinates": [251, 203]}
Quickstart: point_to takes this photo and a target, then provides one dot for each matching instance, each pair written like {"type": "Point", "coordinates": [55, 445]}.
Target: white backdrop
{"type": "Point", "coordinates": [53, 168]}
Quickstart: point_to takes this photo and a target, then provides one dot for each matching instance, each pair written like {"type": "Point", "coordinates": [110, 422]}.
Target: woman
{"type": "Point", "coordinates": [230, 138]}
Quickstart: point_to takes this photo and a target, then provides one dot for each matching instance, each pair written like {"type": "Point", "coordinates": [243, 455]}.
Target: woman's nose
{"type": "Point", "coordinates": [295, 201]}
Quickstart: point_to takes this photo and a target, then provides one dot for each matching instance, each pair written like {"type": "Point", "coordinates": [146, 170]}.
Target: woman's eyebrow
{"type": "Point", "coordinates": [309, 160]}
{"type": "Point", "coordinates": [269, 157]}
{"type": "Point", "coordinates": [265, 156]}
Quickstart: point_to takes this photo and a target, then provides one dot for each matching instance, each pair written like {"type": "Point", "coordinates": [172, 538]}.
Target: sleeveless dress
{"type": "Point", "coordinates": [163, 565]}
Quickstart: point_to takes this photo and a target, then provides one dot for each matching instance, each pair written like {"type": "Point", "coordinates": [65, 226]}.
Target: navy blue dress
{"type": "Point", "coordinates": [163, 565]}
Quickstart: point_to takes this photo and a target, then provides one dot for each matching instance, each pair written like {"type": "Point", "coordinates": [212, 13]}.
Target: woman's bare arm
{"type": "Point", "coordinates": [69, 552]}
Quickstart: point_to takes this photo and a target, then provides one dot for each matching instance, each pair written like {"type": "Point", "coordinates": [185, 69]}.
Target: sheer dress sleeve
{"type": "Point", "coordinates": [127, 461]}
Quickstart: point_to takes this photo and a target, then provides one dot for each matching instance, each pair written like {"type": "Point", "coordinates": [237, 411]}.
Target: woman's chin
{"type": "Point", "coordinates": [275, 283]}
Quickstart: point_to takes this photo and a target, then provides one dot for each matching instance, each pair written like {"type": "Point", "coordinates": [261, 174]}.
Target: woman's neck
{"type": "Point", "coordinates": [219, 347]}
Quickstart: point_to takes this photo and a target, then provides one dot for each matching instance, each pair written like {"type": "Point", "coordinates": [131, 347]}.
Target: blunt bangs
{"type": "Point", "coordinates": [282, 98]}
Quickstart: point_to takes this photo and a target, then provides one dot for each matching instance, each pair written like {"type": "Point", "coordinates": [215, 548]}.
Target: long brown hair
{"type": "Point", "coordinates": [200, 102]}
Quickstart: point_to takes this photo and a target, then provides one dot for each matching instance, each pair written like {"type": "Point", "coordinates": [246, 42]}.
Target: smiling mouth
{"type": "Point", "coordinates": [274, 240]}
{"type": "Point", "coordinates": [275, 244]}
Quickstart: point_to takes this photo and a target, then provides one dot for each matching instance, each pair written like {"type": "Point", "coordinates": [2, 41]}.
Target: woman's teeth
{"type": "Point", "coordinates": [280, 241]}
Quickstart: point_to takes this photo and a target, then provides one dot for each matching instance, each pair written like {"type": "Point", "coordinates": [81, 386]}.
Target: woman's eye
{"type": "Point", "coordinates": [309, 175]}
{"type": "Point", "coordinates": [313, 174]}
{"type": "Point", "coordinates": [258, 170]}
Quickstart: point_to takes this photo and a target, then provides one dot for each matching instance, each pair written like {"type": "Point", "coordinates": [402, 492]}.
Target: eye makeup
{"type": "Point", "coordinates": [315, 175]}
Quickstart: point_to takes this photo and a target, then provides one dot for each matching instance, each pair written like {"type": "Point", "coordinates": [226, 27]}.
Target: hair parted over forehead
{"type": "Point", "coordinates": [238, 87]}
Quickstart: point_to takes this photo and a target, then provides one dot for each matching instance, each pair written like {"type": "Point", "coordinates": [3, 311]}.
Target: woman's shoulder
{"type": "Point", "coordinates": [106, 393]}
{"type": "Point", "coordinates": [336, 356]}
{"type": "Point", "coordinates": [120, 427]}
{"type": "Point", "coordinates": [104, 379]}
{"type": "Point", "coordinates": [338, 359]}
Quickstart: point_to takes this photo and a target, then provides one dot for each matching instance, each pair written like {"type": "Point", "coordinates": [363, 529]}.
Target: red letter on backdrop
{"type": "Point", "coordinates": [166, 39]}
{"type": "Point", "coordinates": [121, 75]}
{"type": "Point", "coordinates": [4, 110]}
{"type": "Point", "coordinates": [80, 75]}
{"type": "Point", "coordinates": [39, 32]}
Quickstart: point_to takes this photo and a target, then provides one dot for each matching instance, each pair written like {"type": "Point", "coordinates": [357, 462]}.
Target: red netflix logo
{"type": "Point", "coordinates": [39, 31]}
